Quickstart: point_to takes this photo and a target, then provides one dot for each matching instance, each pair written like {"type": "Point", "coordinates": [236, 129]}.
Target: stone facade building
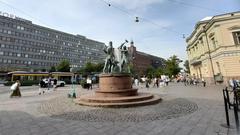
{"type": "Point", "coordinates": [27, 46]}
{"type": "Point", "coordinates": [213, 48]}
{"type": "Point", "coordinates": [141, 61]}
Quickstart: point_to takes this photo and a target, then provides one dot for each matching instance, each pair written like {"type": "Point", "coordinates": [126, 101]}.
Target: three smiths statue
{"type": "Point", "coordinates": [117, 61]}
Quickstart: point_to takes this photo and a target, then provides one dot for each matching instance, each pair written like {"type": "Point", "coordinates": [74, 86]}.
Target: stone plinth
{"type": "Point", "coordinates": [115, 90]}
{"type": "Point", "coordinates": [115, 85]}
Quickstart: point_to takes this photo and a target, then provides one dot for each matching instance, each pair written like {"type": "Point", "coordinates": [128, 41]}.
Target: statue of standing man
{"type": "Point", "coordinates": [109, 50]}
{"type": "Point", "coordinates": [124, 58]}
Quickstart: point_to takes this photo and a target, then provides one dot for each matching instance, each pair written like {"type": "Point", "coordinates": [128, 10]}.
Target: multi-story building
{"type": "Point", "coordinates": [213, 48]}
{"type": "Point", "coordinates": [27, 46]}
{"type": "Point", "coordinates": [141, 61]}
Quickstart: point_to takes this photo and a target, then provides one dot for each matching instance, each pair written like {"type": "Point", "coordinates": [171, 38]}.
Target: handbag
{"type": "Point", "coordinates": [14, 86]}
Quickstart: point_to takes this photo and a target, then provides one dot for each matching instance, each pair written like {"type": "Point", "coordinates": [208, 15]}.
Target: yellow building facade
{"type": "Point", "coordinates": [213, 48]}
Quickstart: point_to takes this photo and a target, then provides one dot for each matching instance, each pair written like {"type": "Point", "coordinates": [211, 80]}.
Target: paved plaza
{"type": "Point", "coordinates": [191, 110]}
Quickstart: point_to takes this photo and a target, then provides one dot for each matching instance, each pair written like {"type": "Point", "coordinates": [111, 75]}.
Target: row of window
{"type": "Point", "coordinates": [45, 35]}
{"type": "Point", "coordinates": [29, 63]}
{"type": "Point", "coordinates": [22, 27]}
{"type": "Point", "coordinates": [47, 52]}
{"type": "Point", "coordinates": [50, 47]}
{"type": "Point", "coordinates": [39, 57]}
{"type": "Point", "coordinates": [13, 61]}
{"type": "Point", "coordinates": [213, 45]}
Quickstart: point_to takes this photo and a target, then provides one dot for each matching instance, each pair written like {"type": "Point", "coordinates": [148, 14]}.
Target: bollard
{"type": "Point", "coordinates": [226, 107]}
{"type": "Point", "coordinates": [236, 110]}
{"type": "Point", "coordinates": [236, 98]}
{"type": "Point", "coordinates": [228, 99]}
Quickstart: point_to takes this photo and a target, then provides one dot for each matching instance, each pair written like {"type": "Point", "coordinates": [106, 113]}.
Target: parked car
{"type": "Point", "coordinates": [61, 83]}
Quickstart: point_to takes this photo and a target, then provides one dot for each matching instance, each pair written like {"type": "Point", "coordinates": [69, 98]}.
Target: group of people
{"type": "Point", "coordinates": [188, 81]}
{"type": "Point", "coordinates": [47, 83]}
{"type": "Point", "coordinates": [44, 83]}
{"type": "Point", "coordinates": [233, 83]}
{"type": "Point", "coordinates": [156, 82]}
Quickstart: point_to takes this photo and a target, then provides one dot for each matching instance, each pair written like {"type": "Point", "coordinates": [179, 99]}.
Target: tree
{"type": "Point", "coordinates": [64, 66]}
{"type": "Point", "coordinates": [99, 67]}
{"type": "Point", "coordinates": [159, 72]}
{"type": "Point", "coordinates": [43, 70]}
{"type": "Point", "coordinates": [52, 69]}
{"type": "Point", "coordinates": [91, 67]}
{"type": "Point", "coordinates": [186, 65]}
{"type": "Point", "coordinates": [132, 70]}
{"type": "Point", "coordinates": [172, 65]}
{"type": "Point", "coordinates": [150, 72]}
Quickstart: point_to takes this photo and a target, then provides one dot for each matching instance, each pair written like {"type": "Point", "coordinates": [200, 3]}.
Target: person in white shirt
{"type": "Point", "coordinates": [136, 82]}
{"type": "Point", "coordinates": [89, 82]}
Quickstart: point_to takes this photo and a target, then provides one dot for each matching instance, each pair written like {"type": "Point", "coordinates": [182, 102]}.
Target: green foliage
{"type": "Point", "coordinates": [91, 68]}
{"type": "Point", "coordinates": [52, 69]}
{"type": "Point", "coordinates": [64, 66]}
{"type": "Point", "coordinates": [172, 66]}
{"type": "Point", "coordinates": [132, 70]}
{"type": "Point", "coordinates": [159, 72]}
{"type": "Point", "coordinates": [99, 67]}
{"type": "Point", "coordinates": [43, 70]}
{"type": "Point", "coordinates": [186, 65]}
{"type": "Point", "coordinates": [150, 72]}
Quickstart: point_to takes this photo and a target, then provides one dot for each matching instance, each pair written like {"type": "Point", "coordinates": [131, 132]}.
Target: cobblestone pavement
{"type": "Point", "coordinates": [200, 112]}
{"type": "Point", "coordinates": [63, 108]}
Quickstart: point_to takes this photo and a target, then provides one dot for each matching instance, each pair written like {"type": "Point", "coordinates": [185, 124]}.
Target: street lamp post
{"type": "Point", "coordinates": [73, 92]}
{"type": "Point", "coordinates": [209, 54]}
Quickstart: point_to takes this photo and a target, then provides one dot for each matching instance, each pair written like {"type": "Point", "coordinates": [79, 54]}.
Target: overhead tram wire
{"type": "Point", "coordinates": [111, 5]}
{"type": "Point", "coordinates": [144, 19]}
{"type": "Point", "coordinates": [23, 12]}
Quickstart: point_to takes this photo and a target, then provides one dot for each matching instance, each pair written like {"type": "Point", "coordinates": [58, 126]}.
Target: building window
{"type": "Point", "coordinates": [236, 37]}
{"type": "Point", "coordinates": [213, 43]}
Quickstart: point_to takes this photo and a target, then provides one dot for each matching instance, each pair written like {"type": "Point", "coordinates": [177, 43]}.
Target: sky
{"type": "Point", "coordinates": [159, 31]}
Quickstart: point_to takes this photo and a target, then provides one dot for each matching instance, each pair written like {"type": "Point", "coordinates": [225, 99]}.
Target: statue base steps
{"type": "Point", "coordinates": [144, 99]}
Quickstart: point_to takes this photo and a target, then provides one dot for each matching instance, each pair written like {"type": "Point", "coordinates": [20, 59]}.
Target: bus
{"type": "Point", "coordinates": [37, 76]}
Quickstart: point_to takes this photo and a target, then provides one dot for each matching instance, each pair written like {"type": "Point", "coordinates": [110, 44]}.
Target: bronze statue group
{"type": "Point", "coordinates": [117, 60]}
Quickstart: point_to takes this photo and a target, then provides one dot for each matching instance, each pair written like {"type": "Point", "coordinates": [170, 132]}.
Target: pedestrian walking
{"type": "Point", "coordinates": [89, 82]}
{"type": "Point", "coordinates": [147, 82]}
{"type": "Point", "coordinates": [16, 89]}
{"type": "Point", "coordinates": [167, 81]}
{"type": "Point", "coordinates": [203, 82]}
{"type": "Point", "coordinates": [41, 86]}
{"type": "Point", "coordinates": [157, 82]}
{"type": "Point", "coordinates": [136, 82]}
{"type": "Point", "coordinates": [49, 83]}
{"type": "Point", "coordinates": [233, 83]}
{"type": "Point", "coordinates": [54, 84]}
